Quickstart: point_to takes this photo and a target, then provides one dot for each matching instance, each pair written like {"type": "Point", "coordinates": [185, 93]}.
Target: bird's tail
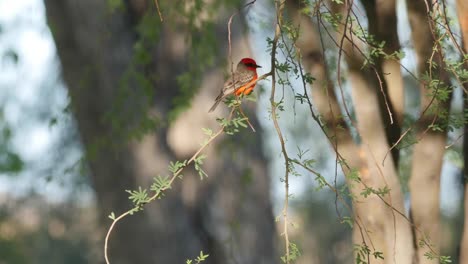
{"type": "Point", "coordinates": [218, 100]}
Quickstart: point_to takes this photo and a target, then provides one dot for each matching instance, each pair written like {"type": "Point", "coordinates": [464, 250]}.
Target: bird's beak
{"type": "Point", "coordinates": [258, 66]}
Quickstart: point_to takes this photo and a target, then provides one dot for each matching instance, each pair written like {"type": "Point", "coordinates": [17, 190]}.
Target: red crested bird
{"type": "Point", "coordinates": [240, 81]}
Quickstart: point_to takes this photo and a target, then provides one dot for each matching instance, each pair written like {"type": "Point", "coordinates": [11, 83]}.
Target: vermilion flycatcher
{"type": "Point", "coordinates": [237, 84]}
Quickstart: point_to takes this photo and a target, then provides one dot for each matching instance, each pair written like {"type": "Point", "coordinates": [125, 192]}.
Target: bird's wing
{"type": "Point", "coordinates": [236, 81]}
{"type": "Point", "coordinates": [230, 86]}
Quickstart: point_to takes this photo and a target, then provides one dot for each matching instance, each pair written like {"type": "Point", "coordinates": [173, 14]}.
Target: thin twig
{"type": "Point", "coordinates": [279, 17]}
{"type": "Point", "coordinates": [229, 36]}
{"type": "Point", "coordinates": [159, 11]}
{"type": "Point", "coordinates": [248, 122]}
{"type": "Point", "coordinates": [158, 194]}
{"type": "Point", "coordinates": [356, 218]}
{"type": "Point", "coordinates": [455, 141]}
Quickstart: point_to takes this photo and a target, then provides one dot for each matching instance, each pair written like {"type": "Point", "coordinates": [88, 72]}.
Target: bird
{"type": "Point", "coordinates": [238, 83]}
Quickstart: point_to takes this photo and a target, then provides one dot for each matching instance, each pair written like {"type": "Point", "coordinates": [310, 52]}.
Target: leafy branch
{"type": "Point", "coordinates": [161, 184]}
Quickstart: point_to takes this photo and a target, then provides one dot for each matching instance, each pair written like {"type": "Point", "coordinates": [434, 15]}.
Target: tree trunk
{"type": "Point", "coordinates": [464, 239]}
{"type": "Point", "coordinates": [429, 150]}
{"type": "Point", "coordinates": [387, 226]}
{"type": "Point", "coordinates": [378, 226]}
{"type": "Point", "coordinates": [227, 215]}
{"type": "Point", "coordinates": [383, 25]}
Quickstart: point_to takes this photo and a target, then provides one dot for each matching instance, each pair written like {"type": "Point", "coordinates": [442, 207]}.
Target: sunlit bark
{"type": "Point", "coordinates": [378, 221]}
{"type": "Point", "coordinates": [371, 123]}
{"type": "Point", "coordinates": [383, 27]}
{"type": "Point", "coordinates": [382, 14]}
{"type": "Point", "coordinates": [462, 11]}
{"type": "Point", "coordinates": [326, 102]}
{"type": "Point", "coordinates": [429, 151]}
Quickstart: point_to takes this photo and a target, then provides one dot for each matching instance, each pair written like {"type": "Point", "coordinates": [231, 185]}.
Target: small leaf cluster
{"type": "Point", "coordinates": [294, 253]}
{"type": "Point", "coordinates": [431, 255]}
{"type": "Point", "coordinates": [139, 198]}
{"type": "Point", "coordinates": [363, 253]}
{"type": "Point", "coordinates": [442, 259]}
{"type": "Point", "coordinates": [333, 19]}
{"type": "Point", "coordinates": [380, 191]}
{"type": "Point", "coordinates": [233, 125]}
{"type": "Point", "coordinates": [198, 162]}
{"type": "Point", "coordinates": [160, 183]}
{"type": "Point", "coordinates": [348, 221]}
{"type": "Point", "coordinates": [199, 259]}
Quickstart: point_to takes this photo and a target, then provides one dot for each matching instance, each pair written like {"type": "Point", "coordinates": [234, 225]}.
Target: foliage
{"type": "Point", "coordinates": [161, 184]}
{"type": "Point", "coordinates": [10, 162]}
{"type": "Point", "coordinates": [363, 254]}
{"type": "Point", "coordinates": [286, 58]}
{"type": "Point", "coordinates": [283, 70]}
{"type": "Point", "coordinates": [199, 259]}
{"type": "Point", "coordinates": [294, 253]}
{"type": "Point", "coordinates": [41, 232]}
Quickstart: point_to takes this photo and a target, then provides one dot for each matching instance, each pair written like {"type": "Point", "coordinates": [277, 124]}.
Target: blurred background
{"type": "Point", "coordinates": [54, 203]}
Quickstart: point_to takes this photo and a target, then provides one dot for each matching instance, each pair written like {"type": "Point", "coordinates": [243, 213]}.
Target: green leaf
{"type": "Point", "coordinates": [112, 216]}
{"type": "Point", "coordinates": [207, 132]}
{"type": "Point", "coordinates": [294, 253]}
{"type": "Point", "coordinates": [138, 197]}
{"type": "Point", "coordinates": [197, 164]}
{"type": "Point", "coordinates": [201, 257]}
{"type": "Point", "coordinates": [160, 183]}
{"type": "Point", "coordinates": [174, 167]}
{"type": "Point", "coordinates": [378, 255]}
{"type": "Point", "coordinates": [347, 220]}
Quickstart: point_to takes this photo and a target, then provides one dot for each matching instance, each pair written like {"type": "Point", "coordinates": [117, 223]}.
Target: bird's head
{"type": "Point", "coordinates": [249, 63]}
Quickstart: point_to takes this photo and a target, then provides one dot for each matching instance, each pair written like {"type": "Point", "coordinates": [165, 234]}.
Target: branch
{"type": "Point", "coordinates": [161, 191]}
{"type": "Point", "coordinates": [159, 11]}
{"type": "Point", "coordinates": [279, 17]}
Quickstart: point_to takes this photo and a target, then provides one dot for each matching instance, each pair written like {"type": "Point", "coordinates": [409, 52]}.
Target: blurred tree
{"type": "Point", "coordinates": [35, 231]}
{"type": "Point", "coordinates": [462, 11]}
{"type": "Point", "coordinates": [327, 240]}
{"type": "Point", "coordinates": [369, 45]}
{"type": "Point", "coordinates": [130, 78]}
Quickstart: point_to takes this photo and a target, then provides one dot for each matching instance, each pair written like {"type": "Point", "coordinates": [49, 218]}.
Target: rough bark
{"type": "Point", "coordinates": [429, 151]}
{"type": "Point", "coordinates": [226, 216]}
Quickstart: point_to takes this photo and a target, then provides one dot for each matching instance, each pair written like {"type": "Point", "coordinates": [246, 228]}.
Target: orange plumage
{"type": "Point", "coordinates": [240, 81]}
